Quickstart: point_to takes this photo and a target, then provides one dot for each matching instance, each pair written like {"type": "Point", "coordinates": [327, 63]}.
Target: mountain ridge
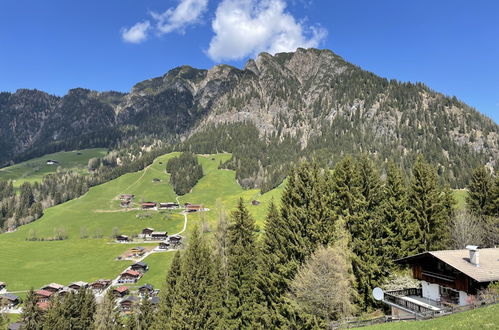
{"type": "Point", "coordinates": [313, 98]}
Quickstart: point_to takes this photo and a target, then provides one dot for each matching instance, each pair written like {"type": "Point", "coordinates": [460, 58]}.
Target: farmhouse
{"type": "Point", "coordinates": [121, 291]}
{"type": "Point", "coordinates": [448, 277]}
{"type": "Point", "coordinates": [164, 245]}
{"type": "Point", "coordinates": [129, 276]}
{"type": "Point", "coordinates": [168, 205]}
{"type": "Point", "coordinates": [159, 235]}
{"type": "Point", "coordinates": [100, 285]}
{"type": "Point", "coordinates": [122, 238]}
{"type": "Point", "coordinates": [175, 240]}
{"type": "Point", "coordinates": [140, 267]}
{"type": "Point", "coordinates": [43, 295]}
{"type": "Point", "coordinates": [146, 232]}
{"type": "Point", "coordinates": [53, 287]}
{"type": "Point", "coordinates": [128, 303]}
{"type": "Point", "coordinates": [12, 300]}
{"type": "Point", "coordinates": [194, 208]}
{"type": "Point", "coordinates": [146, 290]}
{"type": "Point", "coordinates": [148, 205]}
{"type": "Point", "coordinates": [78, 285]}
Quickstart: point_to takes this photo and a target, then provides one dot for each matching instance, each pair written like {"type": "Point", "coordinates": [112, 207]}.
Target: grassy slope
{"type": "Point", "coordinates": [35, 169]}
{"type": "Point", "coordinates": [25, 264]}
{"type": "Point", "coordinates": [482, 318]}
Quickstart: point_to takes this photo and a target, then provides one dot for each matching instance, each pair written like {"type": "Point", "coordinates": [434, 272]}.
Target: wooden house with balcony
{"type": "Point", "coordinates": [448, 278]}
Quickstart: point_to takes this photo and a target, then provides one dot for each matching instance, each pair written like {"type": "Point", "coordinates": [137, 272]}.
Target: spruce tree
{"type": "Point", "coordinates": [493, 209]}
{"type": "Point", "coordinates": [428, 209]}
{"type": "Point", "coordinates": [167, 293]}
{"type": "Point", "coordinates": [145, 315]}
{"type": "Point", "coordinates": [107, 315]}
{"type": "Point", "coordinates": [31, 316]}
{"type": "Point", "coordinates": [479, 191]}
{"type": "Point", "coordinates": [241, 265]}
{"type": "Point", "coordinates": [194, 302]}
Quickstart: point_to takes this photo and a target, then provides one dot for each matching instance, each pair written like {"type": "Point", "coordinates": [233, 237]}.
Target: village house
{"type": "Point", "coordinates": [129, 276]}
{"type": "Point", "coordinates": [448, 278]}
{"type": "Point", "coordinates": [121, 291]}
{"type": "Point", "coordinates": [146, 290]}
{"type": "Point", "coordinates": [175, 241]}
{"type": "Point", "coordinates": [146, 232]}
{"type": "Point", "coordinates": [140, 267]}
{"type": "Point", "coordinates": [9, 300]}
{"type": "Point", "coordinates": [78, 285]}
{"type": "Point", "coordinates": [122, 238]}
{"type": "Point", "coordinates": [137, 251]}
{"type": "Point", "coordinates": [128, 303]}
{"type": "Point", "coordinates": [194, 208]}
{"type": "Point", "coordinates": [53, 287]}
{"type": "Point", "coordinates": [148, 205]}
{"type": "Point", "coordinates": [168, 205]}
{"type": "Point", "coordinates": [43, 295]}
{"type": "Point", "coordinates": [164, 245]}
{"type": "Point", "coordinates": [100, 285]}
{"type": "Point", "coordinates": [159, 235]}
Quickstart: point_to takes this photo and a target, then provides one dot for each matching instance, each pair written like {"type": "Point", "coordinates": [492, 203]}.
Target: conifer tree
{"type": "Point", "coordinates": [145, 315]}
{"type": "Point", "coordinates": [428, 211]}
{"type": "Point", "coordinates": [107, 315]}
{"type": "Point", "coordinates": [132, 323]}
{"type": "Point", "coordinates": [167, 293]}
{"type": "Point", "coordinates": [31, 316]}
{"type": "Point", "coordinates": [494, 198]}
{"type": "Point", "coordinates": [241, 265]}
{"type": "Point", "coordinates": [194, 301]}
{"type": "Point", "coordinates": [479, 191]}
{"type": "Point", "coordinates": [396, 215]}
{"type": "Point", "coordinates": [53, 319]}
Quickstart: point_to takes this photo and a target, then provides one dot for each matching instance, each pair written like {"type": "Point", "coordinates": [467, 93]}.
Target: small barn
{"type": "Point", "coordinates": [122, 238]}
{"type": "Point", "coordinates": [168, 205]}
{"type": "Point", "coordinates": [140, 267]}
{"type": "Point", "coordinates": [52, 162]}
{"type": "Point", "coordinates": [164, 245]}
{"type": "Point", "coordinates": [159, 235]}
{"type": "Point", "coordinates": [194, 208]}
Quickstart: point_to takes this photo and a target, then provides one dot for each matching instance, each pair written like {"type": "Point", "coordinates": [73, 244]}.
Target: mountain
{"type": "Point", "coordinates": [309, 103]}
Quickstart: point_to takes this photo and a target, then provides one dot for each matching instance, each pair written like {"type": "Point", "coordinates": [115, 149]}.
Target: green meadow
{"type": "Point", "coordinates": [97, 215]}
{"type": "Point", "coordinates": [35, 169]}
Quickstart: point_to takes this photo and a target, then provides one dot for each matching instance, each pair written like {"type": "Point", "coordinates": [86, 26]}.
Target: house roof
{"type": "Point", "coordinates": [147, 286]}
{"type": "Point", "coordinates": [121, 289]}
{"type": "Point", "coordinates": [43, 305]}
{"type": "Point", "coordinates": [140, 248]}
{"type": "Point", "coordinates": [131, 272]}
{"type": "Point", "coordinates": [487, 271]}
{"type": "Point", "coordinates": [9, 296]}
{"type": "Point", "coordinates": [159, 233]}
{"type": "Point", "coordinates": [122, 236]}
{"type": "Point", "coordinates": [15, 326]}
{"type": "Point", "coordinates": [54, 286]}
{"type": "Point", "coordinates": [140, 263]}
{"type": "Point", "coordinates": [79, 283]}
{"type": "Point", "coordinates": [148, 228]}
{"type": "Point", "coordinates": [130, 299]}
{"type": "Point", "coordinates": [44, 293]}
{"type": "Point", "coordinates": [155, 300]}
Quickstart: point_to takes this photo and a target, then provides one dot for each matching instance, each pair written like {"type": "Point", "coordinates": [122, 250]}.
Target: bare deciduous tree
{"type": "Point", "coordinates": [466, 229]}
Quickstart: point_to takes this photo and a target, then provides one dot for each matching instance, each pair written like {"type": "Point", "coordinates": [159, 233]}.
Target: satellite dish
{"type": "Point", "coordinates": [378, 293]}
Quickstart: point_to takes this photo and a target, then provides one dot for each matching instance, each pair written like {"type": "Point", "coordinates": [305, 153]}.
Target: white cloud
{"type": "Point", "coordinates": [247, 27]}
{"type": "Point", "coordinates": [188, 12]}
{"type": "Point", "coordinates": [137, 33]}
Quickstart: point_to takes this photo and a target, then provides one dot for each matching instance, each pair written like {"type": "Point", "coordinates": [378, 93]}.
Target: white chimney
{"type": "Point", "coordinates": [474, 255]}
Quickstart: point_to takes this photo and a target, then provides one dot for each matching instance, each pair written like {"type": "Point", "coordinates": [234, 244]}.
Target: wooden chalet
{"type": "Point", "coordinates": [169, 205]}
{"type": "Point", "coordinates": [43, 295]}
{"type": "Point", "coordinates": [164, 245]}
{"type": "Point", "coordinates": [138, 251]}
{"type": "Point", "coordinates": [128, 303]}
{"type": "Point", "coordinates": [10, 300]}
{"type": "Point", "coordinates": [53, 287]}
{"type": "Point", "coordinates": [139, 267]}
{"type": "Point", "coordinates": [121, 291]}
{"type": "Point", "coordinates": [175, 240]}
{"type": "Point", "coordinates": [146, 290]}
{"type": "Point", "coordinates": [129, 276]}
{"type": "Point", "coordinates": [122, 238]}
{"type": "Point", "coordinates": [447, 277]}
{"type": "Point", "coordinates": [100, 285]}
{"type": "Point", "coordinates": [78, 285]}
{"type": "Point", "coordinates": [146, 232]}
{"type": "Point", "coordinates": [159, 235]}
{"type": "Point", "coordinates": [149, 205]}
{"type": "Point", "coordinates": [194, 208]}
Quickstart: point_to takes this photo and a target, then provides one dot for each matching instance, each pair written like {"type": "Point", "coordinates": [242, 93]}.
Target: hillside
{"type": "Point", "coordinates": [35, 169]}
{"type": "Point", "coordinates": [25, 264]}
{"type": "Point", "coordinates": [277, 109]}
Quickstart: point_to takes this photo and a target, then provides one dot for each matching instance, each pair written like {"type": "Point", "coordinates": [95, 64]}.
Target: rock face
{"type": "Point", "coordinates": [313, 96]}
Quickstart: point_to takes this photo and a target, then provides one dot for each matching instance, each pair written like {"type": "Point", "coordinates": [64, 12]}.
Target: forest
{"type": "Point", "coordinates": [326, 244]}
{"type": "Point", "coordinates": [185, 171]}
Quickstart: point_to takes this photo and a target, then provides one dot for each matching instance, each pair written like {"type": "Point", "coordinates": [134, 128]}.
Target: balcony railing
{"type": "Point", "coordinates": [396, 299]}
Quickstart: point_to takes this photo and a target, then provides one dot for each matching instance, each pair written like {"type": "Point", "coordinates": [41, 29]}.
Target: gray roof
{"type": "Point", "coordinates": [487, 271]}
{"type": "Point", "coordinates": [9, 296]}
{"type": "Point", "coordinates": [15, 326]}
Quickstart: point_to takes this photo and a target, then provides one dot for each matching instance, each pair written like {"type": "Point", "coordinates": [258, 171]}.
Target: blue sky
{"type": "Point", "coordinates": [55, 45]}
